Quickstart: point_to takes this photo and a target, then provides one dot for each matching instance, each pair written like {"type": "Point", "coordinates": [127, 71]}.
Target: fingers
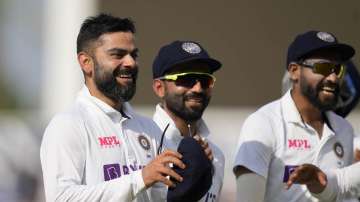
{"type": "Point", "coordinates": [205, 145]}
{"type": "Point", "coordinates": [309, 175]}
{"type": "Point", "coordinates": [171, 159]}
{"type": "Point", "coordinates": [162, 178]}
{"type": "Point", "coordinates": [169, 152]}
{"type": "Point", "coordinates": [293, 178]}
{"type": "Point", "coordinates": [322, 179]}
{"type": "Point", "coordinates": [201, 140]}
{"type": "Point", "coordinates": [158, 169]}
{"type": "Point", "coordinates": [166, 171]}
{"type": "Point", "coordinates": [209, 153]}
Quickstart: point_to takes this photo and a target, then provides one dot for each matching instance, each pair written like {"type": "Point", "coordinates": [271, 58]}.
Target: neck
{"type": "Point", "coordinates": [309, 113]}
{"type": "Point", "coordinates": [181, 124]}
{"type": "Point", "coordinates": [94, 91]}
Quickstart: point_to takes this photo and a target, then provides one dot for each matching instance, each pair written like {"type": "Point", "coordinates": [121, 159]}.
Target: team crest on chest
{"type": "Point", "coordinates": [144, 142]}
{"type": "Point", "coordinates": [339, 149]}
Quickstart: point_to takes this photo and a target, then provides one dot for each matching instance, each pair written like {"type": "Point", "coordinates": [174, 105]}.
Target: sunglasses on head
{"type": "Point", "coordinates": [326, 68]}
{"type": "Point", "coordinates": [189, 79]}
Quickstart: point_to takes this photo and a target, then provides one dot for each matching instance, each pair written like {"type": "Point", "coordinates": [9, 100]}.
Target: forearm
{"type": "Point", "coordinates": [250, 188]}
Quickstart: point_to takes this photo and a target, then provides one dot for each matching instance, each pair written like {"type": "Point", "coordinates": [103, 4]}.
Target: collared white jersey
{"type": "Point", "coordinates": [92, 152]}
{"type": "Point", "coordinates": [172, 140]}
{"type": "Point", "coordinates": [274, 140]}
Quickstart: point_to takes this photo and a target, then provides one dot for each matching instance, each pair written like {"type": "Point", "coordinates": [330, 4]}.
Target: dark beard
{"type": "Point", "coordinates": [176, 104]}
{"type": "Point", "coordinates": [107, 84]}
{"type": "Point", "coordinates": [313, 94]}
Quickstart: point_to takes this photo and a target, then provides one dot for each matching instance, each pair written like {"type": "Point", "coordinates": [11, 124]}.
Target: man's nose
{"type": "Point", "coordinates": [129, 61]}
{"type": "Point", "coordinates": [197, 87]}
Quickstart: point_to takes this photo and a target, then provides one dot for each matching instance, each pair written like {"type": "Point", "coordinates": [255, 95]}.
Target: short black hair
{"type": "Point", "coordinates": [93, 27]}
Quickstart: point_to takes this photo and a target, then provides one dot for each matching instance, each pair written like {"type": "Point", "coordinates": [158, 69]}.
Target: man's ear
{"type": "Point", "coordinates": [86, 62]}
{"type": "Point", "coordinates": [294, 72]}
{"type": "Point", "coordinates": [159, 88]}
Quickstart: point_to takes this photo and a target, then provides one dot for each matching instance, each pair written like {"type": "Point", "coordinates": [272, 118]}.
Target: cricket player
{"type": "Point", "coordinates": [100, 149]}
{"type": "Point", "coordinates": [298, 128]}
{"type": "Point", "coordinates": [183, 80]}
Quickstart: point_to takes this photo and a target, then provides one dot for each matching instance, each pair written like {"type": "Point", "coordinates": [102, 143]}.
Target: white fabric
{"type": "Point", "coordinates": [172, 140]}
{"type": "Point", "coordinates": [92, 152]}
{"type": "Point", "coordinates": [342, 183]}
{"type": "Point", "coordinates": [274, 138]}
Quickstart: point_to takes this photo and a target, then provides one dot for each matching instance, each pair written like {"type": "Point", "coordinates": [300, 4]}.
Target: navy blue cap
{"type": "Point", "coordinates": [197, 175]}
{"type": "Point", "coordinates": [179, 52]}
{"type": "Point", "coordinates": [307, 43]}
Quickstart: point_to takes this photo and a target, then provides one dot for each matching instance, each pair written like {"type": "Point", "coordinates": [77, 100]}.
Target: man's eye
{"type": "Point", "coordinates": [117, 55]}
{"type": "Point", "coordinates": [135, 55]}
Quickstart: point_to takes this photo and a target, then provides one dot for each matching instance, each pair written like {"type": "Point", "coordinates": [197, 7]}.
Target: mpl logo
{"type": "Point", "coordinates": [299, 144]}
{"type": "Point", "coordinates": [109, 141]}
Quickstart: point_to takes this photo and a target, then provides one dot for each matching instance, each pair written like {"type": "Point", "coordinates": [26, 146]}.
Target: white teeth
{"type": "Point", "coordinates": [329, 89]}
{"type": "Point", "coordinates": [126, 76]}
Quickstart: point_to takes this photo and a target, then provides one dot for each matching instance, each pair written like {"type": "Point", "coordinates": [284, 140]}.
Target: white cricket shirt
{"type": "Point", "coordinates": [274, 140]}
{"type": "Point", "coordinates": [172, 140]}
{"type": "Point", "coordinates": [91, 152]}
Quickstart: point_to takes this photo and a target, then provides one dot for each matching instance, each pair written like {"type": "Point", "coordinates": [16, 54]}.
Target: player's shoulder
{"type": "Point", "coordinates": [71, 115]}
{"type": "Point", "coordinates": [146, 124]}
{"type": "Point", "coordinates": [70, 120]}
{"type": "Point", "coordinates": [339, 121]}
{"type": "Point", "coordinates": [340, 124]}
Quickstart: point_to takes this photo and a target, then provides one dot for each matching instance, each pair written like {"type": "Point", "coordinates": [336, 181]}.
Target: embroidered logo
{"type": "Point", "coordinates": [144, 142]}
{"type": "Point", "coordinates": [191, 47]}
{"type": "Point", "coordinates": [299, 144]}
{"type": "Point", "coordinates": [109, 141]}
{"type": "Point", "coordinates": [325, 37]}
{"type": "Point", "coordinates": [339, 150]}
{"type": "Point", "coordinates": [287, 172]}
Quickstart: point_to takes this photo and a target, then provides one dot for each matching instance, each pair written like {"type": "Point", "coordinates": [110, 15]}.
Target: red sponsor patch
{"type": "Point", "coordinates": [300, 144]}
{"type": "Point", "coordinates": [109, 141]}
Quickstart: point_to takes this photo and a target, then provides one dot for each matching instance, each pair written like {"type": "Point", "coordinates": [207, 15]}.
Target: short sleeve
{"type": "Point", "coordinates": [256, 144]}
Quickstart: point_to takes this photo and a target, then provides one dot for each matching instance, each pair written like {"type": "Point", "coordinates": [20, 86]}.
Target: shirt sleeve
{"type": "Point", "coordinates": [342, 183]}
{"type": "Point", "coordinates": [63, 154]}
{"type": "Point", "coordinates": [255, 144]}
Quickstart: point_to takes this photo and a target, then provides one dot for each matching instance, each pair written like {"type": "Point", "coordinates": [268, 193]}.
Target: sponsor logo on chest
{"type": "Point", "coordinates": [109, 141]}
{"type": "Point", "coordinates": [113, 171]}
{"type": "Point", "coordinates": [298, 144]}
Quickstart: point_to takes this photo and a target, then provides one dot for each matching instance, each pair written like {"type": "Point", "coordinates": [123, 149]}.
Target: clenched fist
{"type": "Point", "coordinates": [158, 169]}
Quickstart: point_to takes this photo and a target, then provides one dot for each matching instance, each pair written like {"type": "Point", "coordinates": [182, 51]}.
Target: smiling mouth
{"type": "Point", "coordinates": [328, 89]}
{"type": "Point", "coordinates": [126, 76]}
{"type": "Point", "coordinates": [195, 100]}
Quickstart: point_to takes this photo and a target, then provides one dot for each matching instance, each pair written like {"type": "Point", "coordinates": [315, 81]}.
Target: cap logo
{"type": "Point", "coordinates": [325, 37]}
{"type": "Point", "coordinates": [191, 47]}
